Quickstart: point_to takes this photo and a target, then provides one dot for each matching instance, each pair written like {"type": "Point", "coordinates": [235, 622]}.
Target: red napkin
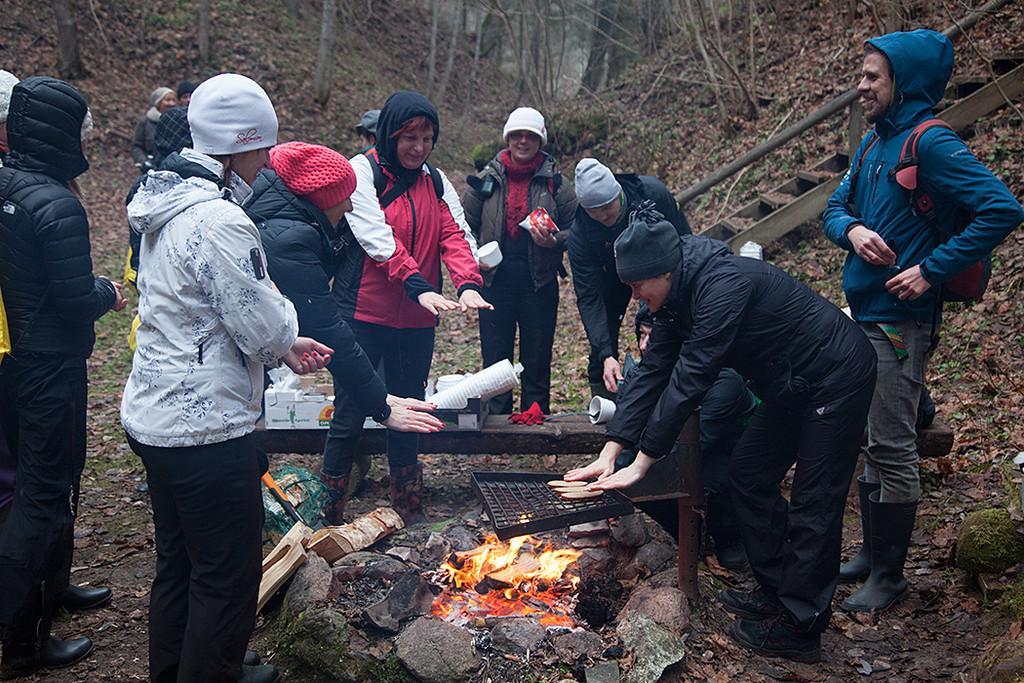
{"type": "Point", "coordinates": [531, 416]}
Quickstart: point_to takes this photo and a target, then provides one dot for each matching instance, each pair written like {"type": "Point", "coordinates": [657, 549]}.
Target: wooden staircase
{"type": "Point", "coordinates": [802, 198]}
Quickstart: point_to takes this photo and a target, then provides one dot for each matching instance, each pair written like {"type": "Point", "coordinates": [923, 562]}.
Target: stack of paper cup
{"type": "Point", "coordinates": [488, 383]}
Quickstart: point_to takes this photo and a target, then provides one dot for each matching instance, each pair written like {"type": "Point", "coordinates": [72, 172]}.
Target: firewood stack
{"type": "Point", "coordinates": [331, 543]}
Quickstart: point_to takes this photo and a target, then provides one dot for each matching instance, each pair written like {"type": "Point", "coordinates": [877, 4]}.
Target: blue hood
{"type": "Point", "coordinates": [922, 62]}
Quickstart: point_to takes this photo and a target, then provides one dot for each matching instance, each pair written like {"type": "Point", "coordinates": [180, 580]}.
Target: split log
{"type": "Point", "coordinates": [524, 565]}
{"type": "Point", "coordinates": [283, 561]}
{"type": "Point", "coordinates": [333, 543]}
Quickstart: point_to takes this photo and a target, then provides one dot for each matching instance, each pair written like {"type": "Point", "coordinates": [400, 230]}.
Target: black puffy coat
{"type": "Point", "coordinates": [794, 347]}
{"type": "Point", "coordinates": [303, 253]}
{"type": "Point", "coordinates": [593, 261]}
{"type": "Point", "coordinates": [50, 293]}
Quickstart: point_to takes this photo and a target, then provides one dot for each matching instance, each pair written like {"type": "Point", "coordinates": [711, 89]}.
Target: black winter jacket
{"type": "Point", "coordinates": [794, 347]}
{"type": "Point", "coordinates": [593, 260]}
{"type": "Point", "coordinates": [50, 294]}
{"type": "Point", "coordinates": [303, 253]}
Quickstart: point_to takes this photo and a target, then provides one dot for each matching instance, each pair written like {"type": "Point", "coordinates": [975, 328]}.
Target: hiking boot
{"type": "Point", "coordinates": [859, 566]}
{"type": "Point", "coordinates": [754, 605]}
{"type": "Point", "coordinates": [261, 673]}
{"type": "Point", "coordinates": [333, 510]}
{"type": "Point", "coordinates": [407, 493]}
{"type": "Point", "coordinates": [52, 653]}
{"type": "Point", "coordinates": [777, 637]}
{"type": "Point", "coordinates": [80, 598]}
{"type": "Point", "coordinates": [891, 526]}
{"type": "Point", "coordinates": [251, 658]}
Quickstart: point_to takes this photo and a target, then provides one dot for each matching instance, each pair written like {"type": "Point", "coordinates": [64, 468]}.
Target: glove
{"type": "Point", "coordinates": [531, 416]}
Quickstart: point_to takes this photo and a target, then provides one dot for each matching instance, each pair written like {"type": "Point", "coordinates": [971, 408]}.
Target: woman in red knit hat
{"type": "Point", "coordinates": [297, 205]}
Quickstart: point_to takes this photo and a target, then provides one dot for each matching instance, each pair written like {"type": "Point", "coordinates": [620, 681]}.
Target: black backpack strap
{"type": "Point", "coordinates": [435, 178]}
{"type": "Point", "coordinates": [555, 184]}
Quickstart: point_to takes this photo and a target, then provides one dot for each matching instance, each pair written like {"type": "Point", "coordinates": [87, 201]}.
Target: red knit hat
{"type": "Point", "coordinates": [316, 173]}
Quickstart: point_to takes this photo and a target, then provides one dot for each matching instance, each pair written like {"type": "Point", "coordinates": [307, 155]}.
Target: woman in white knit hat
{"type": "Point", "coordinates": [7, 83]}
{"type": "Point", "coordinates": [210, 321]}
{"type": "Point", "coordinates": [523, 287]}
{"type": "Point", "coordinates": [144, 140]}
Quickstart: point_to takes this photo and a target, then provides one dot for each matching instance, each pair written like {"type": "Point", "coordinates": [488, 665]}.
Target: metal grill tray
{"type": "Point", "coordinates": [521, 503]}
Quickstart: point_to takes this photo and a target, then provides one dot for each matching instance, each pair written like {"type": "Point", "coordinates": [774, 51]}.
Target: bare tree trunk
{"type": "Point", "coordinates": [697, 36]}
{"type": "Point", "coordinates": [69, 60]}
{"type": "Point", "coordinates": [204, 31]}
{"type": "Point", "coordinates": [477, 49]}
{"type": "Point", "coordinates": [293, 8]}
{"type": "Point", "coordinates": [325, 56]}
{"type": "Point", "coordinates": [458, 26]}
{"type": "Point", "coordinates": [432, 58]}
{"type": "Point", "coordinates": [594, 73]}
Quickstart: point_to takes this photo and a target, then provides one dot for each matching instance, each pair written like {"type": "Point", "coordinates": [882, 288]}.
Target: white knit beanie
{"type": "Point", "coordinates": [7, 83]}
{"type": "Point", "coordinates": [526, 118]}
{"type": "Point", "coordinates": [229, 114]}
{"type": "Point", "coordinates": [596, 186]}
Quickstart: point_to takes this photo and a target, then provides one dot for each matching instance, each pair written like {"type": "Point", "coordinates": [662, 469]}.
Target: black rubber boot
{"type": "Point", "coordinates": [891, 526]}
{"type": "Point", "coordinates": [80, 599]}
{"type": "Point", "coordinates": [333, 510]}
{"type": "Point", "coordinates": [52, 653]}
{"type": "Point", "coordinates": [407, 493]}
{"type": "Point", "coordinates": [859, 566]}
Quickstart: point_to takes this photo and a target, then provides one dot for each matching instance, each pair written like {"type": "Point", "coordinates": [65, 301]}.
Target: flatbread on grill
{"type": "Point", "coordinates": [562, 484]}
{"type": "Point", "coordinates": [579, 495]}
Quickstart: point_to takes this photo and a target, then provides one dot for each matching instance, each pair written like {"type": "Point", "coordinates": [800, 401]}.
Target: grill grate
{"type": "Point", "coordinates": [522, 503]}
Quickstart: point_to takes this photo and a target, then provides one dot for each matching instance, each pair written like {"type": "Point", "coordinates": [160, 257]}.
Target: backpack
{"type": "Point", "coordinates": [398, 189]}
{"type": "Point", "coordinates": [969, 284]}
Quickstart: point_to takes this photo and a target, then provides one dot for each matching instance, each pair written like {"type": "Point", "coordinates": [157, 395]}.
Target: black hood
{"type": "Point", "coordinates": [176, 163]}
{"type": "Point", "coordinates": [697, 252]}
{"type": "Point", "coordinates": [400, 107]}
{"type": "Point", "coordinates": [44, 128]}
{"type": "Point", "coordinates": [272, 200]}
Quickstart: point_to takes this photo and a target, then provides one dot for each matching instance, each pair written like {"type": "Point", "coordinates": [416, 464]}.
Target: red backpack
{"type": "Point", "coordinates": [969, 284]}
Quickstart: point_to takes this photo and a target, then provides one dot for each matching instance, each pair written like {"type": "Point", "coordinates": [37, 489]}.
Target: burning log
{"type": "Point", "coordinates": [333, 543]}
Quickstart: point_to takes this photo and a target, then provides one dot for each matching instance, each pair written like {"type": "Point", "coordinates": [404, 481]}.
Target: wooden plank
{"type": "Point", "coordinates": [985, 100]}
{"type": "Point", "coordinates": [806, 207]}
{"type": "Point", "coordinates": [280, 571]}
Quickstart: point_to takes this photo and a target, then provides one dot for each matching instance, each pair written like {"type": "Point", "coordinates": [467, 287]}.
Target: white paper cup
{"type": "Point", "coordinates": [489, 255]}
{"type": "Point", "coordinates": [601, 410]}
{"type": "Point", "coordinates": [447, 382]}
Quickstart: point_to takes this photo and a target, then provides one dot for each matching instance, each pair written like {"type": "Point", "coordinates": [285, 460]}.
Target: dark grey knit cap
{"type": "Point", "coordinates": [645, 250]}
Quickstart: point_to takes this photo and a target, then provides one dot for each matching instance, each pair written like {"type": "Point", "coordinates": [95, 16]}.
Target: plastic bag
{"type": "Point", "coordinates": [306, 492]}
{"type": "Point", "coordinates": [539, 219]}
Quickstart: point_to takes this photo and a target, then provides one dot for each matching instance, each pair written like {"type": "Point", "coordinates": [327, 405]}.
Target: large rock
{"type": "Point", "coordinates": [437, 652]}
{"type": "Point", "coordinates": [436, 551]}
{"type": "Point", "coordinates": [576, 646]}
{"type": "Point", "coordinates": [654, 648]}
{"type": "Point", "coordinates": [517, 635]}
{"type": "Point", "coordinates": [988, 542]}
{"type": "Point", "coordinates": [462, 538]}
{"type": "Point", "coordinates": [310, 587]}
{"type": "Point", "coordinates": [665, 606]}
{"type": "Point", "coordinates": [630, 531]}
{"type": "Point", "coordinates": [603, 672]}
{"type": "Point", "coordinates": [649, 559]}
{"type": "Point", "coordinates": [1003, 663]}
{"type": "Point", "coordinates": [410, 596]}
{"type": "Point", "coordinates": [369, 565]}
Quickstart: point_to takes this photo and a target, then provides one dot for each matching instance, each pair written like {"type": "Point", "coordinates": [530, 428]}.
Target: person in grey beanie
{"type": "Point", "coordinates": [814, 370]}
{"type": "Point", "coordinates": [367, 129]}
{"type": "Point", "coordinates": [605, 202]}
{"type": "Point", "coordinates": [143, 142]}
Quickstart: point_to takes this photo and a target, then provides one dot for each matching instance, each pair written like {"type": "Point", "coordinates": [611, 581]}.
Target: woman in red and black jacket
{"type": "Point", "coordinates": [407, 219]}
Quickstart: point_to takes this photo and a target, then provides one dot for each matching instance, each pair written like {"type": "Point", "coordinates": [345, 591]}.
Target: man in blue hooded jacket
{"type": "Point", "coordinates": [894, 275]}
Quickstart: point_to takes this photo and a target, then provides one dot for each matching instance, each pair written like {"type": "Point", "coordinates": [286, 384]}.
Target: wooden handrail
{"type": "Point", "coordinates": [821, 114]}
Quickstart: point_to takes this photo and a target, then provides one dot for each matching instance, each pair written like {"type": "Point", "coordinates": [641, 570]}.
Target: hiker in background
{"type": "Point", "coordinates": [52, 300]}
{"type": "Point", "coordinates": [143, 142]}
{"type": "Point", "coordinates": [605, 203]}
{"type": "Point", "coordinates": [172, 135]}
{"type": "Point", "coordinates": [7, 83]}
{"type": "Point", "coordinates": [211, 321]}
{"type": "Point", "coordinates": [184, 92]}
{"type": "Point", "coordinates": [367, 129]}
{"type": "Point", "coordinates": [813, 369]}
{"type": "Point", "coordinates": [898, 269]}
{"type": "Point", "coordinates": [524, 287]}
{"type": "Point", "coordinates": [406, 220]}
{"type": "Point", "coordinates": [298, 204]}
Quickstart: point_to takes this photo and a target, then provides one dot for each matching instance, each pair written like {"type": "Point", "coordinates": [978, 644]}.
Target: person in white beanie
{"type": "Point", "coordinates": [143, 142]}
{"type": "Point", "coordinates": [7, 83]}
{"type": "Point", "coordinates": [522, 178]}
{"type": "Point", "coordinates": [605, 202]}
{"type": "Point", "coordinates": [210, 321]}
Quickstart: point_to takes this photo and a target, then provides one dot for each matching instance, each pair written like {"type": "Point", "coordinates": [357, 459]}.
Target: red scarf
{"type": "Point", "coordinates": [517, 203]}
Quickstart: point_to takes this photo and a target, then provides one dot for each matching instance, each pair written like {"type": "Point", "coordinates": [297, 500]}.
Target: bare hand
{"type": "Point", "coordinates": [411, 403]}
{"type": "Point", "coordinates": [625, 477]}
{"type": "Point", "coordinates": [870, 246]}
{"type": "Point", "coordinates": [472, 299]}
{"type": "Point", "coordinates": [403, 419]}
{"type": "Point", "coordinates": [435, 303]}
{"type": "Point", "coordinates": [543, 238]}
{"type": "Point", "coordinates": [307, 355]}
{"type": "Point", "coordinates": [909, 284]}
{"type": "Point", "coordinates": [603, 466]}
{"type": "Point", "coordinates": [612, 374]}
{"type": "Point", "coordinates": [119, 301]}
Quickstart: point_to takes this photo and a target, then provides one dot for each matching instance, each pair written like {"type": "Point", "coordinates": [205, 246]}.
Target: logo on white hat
{"type": "Point", "coordinates": [248, 136]}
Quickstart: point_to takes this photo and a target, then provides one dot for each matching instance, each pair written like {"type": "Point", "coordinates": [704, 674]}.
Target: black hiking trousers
{"type": "Point", "coordinates": [794, 546]}
{"type": "Point", "coordinates": [208, 516]}
{"type": "Point", "coordinates": [43, 400]}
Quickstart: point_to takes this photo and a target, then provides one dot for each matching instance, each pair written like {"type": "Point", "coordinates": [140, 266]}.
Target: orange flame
{"type": "Point", "coordinates": [524, 577]}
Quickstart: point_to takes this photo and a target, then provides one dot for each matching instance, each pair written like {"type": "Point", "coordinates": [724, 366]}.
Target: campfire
{"type": "Point", "coordinates": [523, 577]}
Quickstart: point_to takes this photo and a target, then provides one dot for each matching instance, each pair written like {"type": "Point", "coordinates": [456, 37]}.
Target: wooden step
{"type": "Point", "coordinates": [727, 228]}
{"type": "Point", "coordinates": [1006, 62]}
{"type": "Point", "coordinates": [775, 200]}
{"type": "Point", "coordinates": [960, 87]}
{"type": "Point", "coordinates": [808, 180]}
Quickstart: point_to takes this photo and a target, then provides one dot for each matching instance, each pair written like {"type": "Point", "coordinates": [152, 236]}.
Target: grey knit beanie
{"type": "Point", "coordinates": [647, 248]}
{"type": "Point", "coordinates": [596, 186]}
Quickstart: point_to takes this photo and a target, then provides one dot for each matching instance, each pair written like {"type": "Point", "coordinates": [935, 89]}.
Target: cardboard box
{"type": "Point", "coordinates": [296, 410]}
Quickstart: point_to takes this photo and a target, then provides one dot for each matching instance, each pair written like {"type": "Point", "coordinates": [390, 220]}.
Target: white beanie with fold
{"type": "Point", "coordinates": [230, 114]}
{"type": "Point", "coordinates": [526, 118]}
{"type": "Point", "coordinates": [7, 83]}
